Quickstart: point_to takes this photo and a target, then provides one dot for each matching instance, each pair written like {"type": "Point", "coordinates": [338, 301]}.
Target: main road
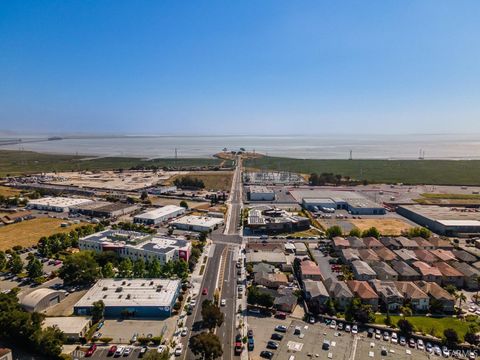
{"type": "Point", "coordinates": [220, 272]}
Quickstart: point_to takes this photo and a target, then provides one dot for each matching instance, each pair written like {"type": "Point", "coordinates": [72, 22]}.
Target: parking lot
{"type": "Point", "coordinates": [121, 331]}
{"type": "Point", "coordinates": [102, 353]}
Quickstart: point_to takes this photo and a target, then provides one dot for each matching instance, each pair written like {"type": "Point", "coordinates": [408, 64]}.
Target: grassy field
{"type": "Point", "coordinates": [25, 162]}
{"type": "Point", "coordinates": [27, 233]}
{"type": "Point", "coordinates": [213, 180]}
{"type": "Point", "coordinates": [7, 192]}
{"type": "Point", "coordinates": [167, 201]}
{"type": "Point", "coordinates": [392, 227]}
{"type": "Point", "coordinates": [437, 172]}
{"type": "Point", "coordinates": [434, 326]}
{"type": "Point", "coordinates": [451, 199]}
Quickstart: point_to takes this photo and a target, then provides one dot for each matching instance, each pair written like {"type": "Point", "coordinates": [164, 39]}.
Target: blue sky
{"type": "Point", "coordinates": [248, 67]}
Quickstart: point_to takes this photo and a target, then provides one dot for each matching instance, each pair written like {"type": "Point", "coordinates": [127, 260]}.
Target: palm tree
{"type": "Point", "coordinates": [461, 298]}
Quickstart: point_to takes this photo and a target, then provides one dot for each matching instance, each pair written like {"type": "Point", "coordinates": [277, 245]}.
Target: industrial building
{"type": "Point", "coordinates": [332, 200]}
{"type": "Point", "coordinates": [73, 328]}
{"type": "Point", "coordinates": [160, 190]}
{"type": "Point", "coordinates": [159, 215]}
{"type": "Point", "coordinates": [104, 209]}
{"type": "Point", "coordinates": [41, 299]}
{"type": "Point", "coordinates": [260, 193]}
{"type": "Point", "coordinates": [197, 223]}
{"type": "Point", "coordinates": [273, 178]}
{"type": "Point", "coordinates": [443, 220]}
{"type": "Point", "coordinates": [274, 221]}
{"type": "Point", "coordinates": [136, 245]}
{"type": "Point", "coordinates": [58, 204]}
{"type": "Point", "coordinates": [153, 298]}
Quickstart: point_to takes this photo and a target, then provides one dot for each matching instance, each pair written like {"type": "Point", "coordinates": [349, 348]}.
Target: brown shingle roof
{"type": "Point", "coordinates": [385, 254]}
{"type": "Point", "coordinates": [434, 290]}
{"type": "Point", "coordinates": [426, 269]}
{"type": "Point", "coordinates": [362, 289]}
{"type": "Point", "coordinates": [371, 242]}
{"type": "Point", "coordinates": [410, 290]}
{"type": "Point", "coordinates": [425, 256]}
{"type": "Point", "coordinates": [444, 255]}
{"type": "Point", "coordinates": [368, 255]}
{"type": "Point", "coordinates": [447, 270]}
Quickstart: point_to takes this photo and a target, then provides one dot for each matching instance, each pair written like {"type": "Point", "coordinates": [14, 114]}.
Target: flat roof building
{"type": "Point", "coordinates": [58, 204]}
{"type": "Point", "coordinates": [74, 328]}
{"type": "Point", "coordinates": [159, 215]}
{"type": "Point", "coordinates": [443, 220]}
{"type": "Point", "coordinates": [260, 193]}
{"type": "Point", "coordinates": [104, 209]}
{"type": "Point", "coordinates": [138, 297]}
{"type": "Point", "coordinates": [136, 245]}
{"type": "Point", "coordinates": [198, 223]}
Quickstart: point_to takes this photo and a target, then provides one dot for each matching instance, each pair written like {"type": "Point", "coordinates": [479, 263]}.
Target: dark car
{"type": "Point", "coordinates": [238, 344]}
{"type": "Point", "coordinates": [205, 291]}
{"type": "Point", "coordinates": [281, 328]}
{"type": "Point", "coordinates": [250, 333]}
{"type": "Point", "coordinates": [266, 354]}
{"type": "Point", "coordinates": [370, 332]}
{"type": "Point", "coordinates": [276, 336]}
{"type": "Point", "coordinates": [272, 345]}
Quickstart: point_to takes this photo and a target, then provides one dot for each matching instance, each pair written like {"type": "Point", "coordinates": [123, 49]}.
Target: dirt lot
{"type": "Point", "coordinates": [385, 226]}
{"type": "Point", "coordinates": [27, 233]}
{"type": "Point", "coordinates": [213, 180]}
{"type": "Point", "coordinates": [6, 191]}
{"type": "Point", "coordinates": [168, 201]}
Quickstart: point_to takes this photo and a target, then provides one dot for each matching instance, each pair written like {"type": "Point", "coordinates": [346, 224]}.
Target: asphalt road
{"type": "Point", "coordinates": [235, 201]}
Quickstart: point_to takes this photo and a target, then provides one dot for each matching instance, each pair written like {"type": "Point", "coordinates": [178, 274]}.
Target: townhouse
{"type": "Point", "coordinates": [451, 276]}
{"type": "Point", "coordinates": [405, 271]}
{"type": "Point", "coordinates": [340, 292]}
{"type": "Point", "coordinates": [428, 272]}
{"type": "Point", "coordinates": [440, 296]}
{"type": "Point", "coordinates": [390, 297]}
{"type": "Point", "coordinates": [362, 271]}
{"type": "Point", "coordinates": [384, 271]}
{"type": "Point", "coordinates": [417, 298]}
{"type": "Point", "coordinates": [364, 292]}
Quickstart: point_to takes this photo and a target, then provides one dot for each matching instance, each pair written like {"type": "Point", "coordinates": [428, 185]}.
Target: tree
{"type": "Point", "coordinates": [207, 345]}
{"type": "Point", "coordinates": [334, 231]}
{"type": "Point", "coordinates": [154, 355]}
{"type": "Point", "coordinates": [180, 268]}
{"type": "Point", "coordinates": [184, 204]}
{"type": "Point", "coordinates": [15, 264]}
{"type": "Point", "coordinates": [3, 260]}
{"type": "Point", "coordinates": [139, 268]}
{"type": "Point", "coordinates": [451, 337]}
{"type": "Point", "coordinates": [355, 232]}
{"type": "Point", "coordinates": [98, 310]}
{"type": "Point", "coordinates": [360, 312]}
{"type": "Point", "coordinates": [125, 268]}
{"type": "Point", "coordinates": [108, 271]}
{"type": "Point", "coordinates": [419, 232]}
{"type": "Point", "coordinates": [34, 268]}
{"type": "Point", "coordinates": [406, 328]}
{"type": "Point", "coordinates": [471, 336]}
{"type": "Point", "coordinates": [203, 236]}
{"type": "Point", "coordinates": [50, 341]}
{"type": "Point", "coordinates": [80, 269]}
{"type": "Point", "coordinates": [154, 269]}
{"type": "Point", "coordinates": [461, 298]}
{"type": "Point", "coordinates": [211, 315]}
{"type": "Point", "coordinates": [256, 297]}
{"type": "Point", "coordinates": [373, 231]}
{"type": "Point", "coordinates": [451, 289]}
{"type": "Point", "coordinates": [144, 196]}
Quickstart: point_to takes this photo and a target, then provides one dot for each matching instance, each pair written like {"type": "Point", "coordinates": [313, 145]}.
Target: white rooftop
{"type": "Point", "coordinates": [67, 324]}
{"type": "Point", "coordinates": [459, 222]}
{"type": "Point", "coordinates": [160, 212]}
{"type": "Point", "coordinates": [131, 292]}
{"type": "Point", "coordinates": [193, 220]}
{"type": "Point", "coordinates": [59, 201]}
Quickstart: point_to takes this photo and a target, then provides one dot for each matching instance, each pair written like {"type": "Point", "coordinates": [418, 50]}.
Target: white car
{"type": "Point", "coordinates": [394, 338]}
{"type": "Point", "coordinates": [128, 351]}
{"type": "Point", "coordinates": [223, 302]}
{"type": "Point", "coordinates": [354, 329]}
{"type": "Point", "coordinates": [161, 348]}
{"type": "Point", "coordinates": [193, 302]}
{"type": "Point", "coordinates": [178, 350]}
{"type": "Point", "coordinates": [445, 351]}
{"type": "Point", "coordinates": [347, 328]}
{"type": "Point", "coordinates": [420, 345]}
{"type": "Point", "coordinates": [378, 334]}
{"type": "Point", "coordinates": [120, 351]}
{"type": "Point", "coordinates": [333, 324]}
{"type": "Point", "coordinates": [437, 350]}
{"type": "Point", "coordinates": [184, 331]}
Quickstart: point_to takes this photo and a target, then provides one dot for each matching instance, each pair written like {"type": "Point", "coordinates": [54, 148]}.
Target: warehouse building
{"type": "Point", "coordinates": [136, 245]}
{"type": "Point", "coordinates": [443, 220]}
{"type": "Point", "coordinates": [41, 299]}
{"type": "Point", "coordinates": [73, 328]}
{"type": "Point", "coordinates": [104, 209]}
{"type": "Point", "coordinates": [260, 193]}
{"type": "Point", "coordinates": [58, 204]}
{"type": "Point", "coordinates": [152, 298]}
{"type": "Point", "coordinates": [197, 223]}
{"type": "Point", "coordinates": [328, 200]}
{"type": "Point", "coordinates": [159, 215]}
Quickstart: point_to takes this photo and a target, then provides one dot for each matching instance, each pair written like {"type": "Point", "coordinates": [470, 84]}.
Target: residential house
{"type": "Point", "coordinates": [451, 276]}
{"type": "Point", "coordinates": [362, 271]}
{"type": "Point", "coordinates": [310, 271]}
{"type": "Point", "coordinates": [425, 256]}
{"type": "Point", "coordinates": [355, 242]}
{"type": "Point", "coordinates": [263, 267]}
{"type": "Point", "coordinates": [368, 255]}
{"type": "Point", "coordinates": [290, 248]}
{"type": "Point", "coordinates": [5, 354]}
{"type": "Point", "coordinates": [440, 243]}
{"type": "Point", "coordinates": [300, 249]}
{"type": "Point", "coordinates": [271, 280]}
{"type": "Point", "coordinates": [339, 291]}
{"type": "Point", "coordinates": [316, 295]}
{"type": "Point", "coordinates": [384, 271]}
{"type": "Point", "coordinates": [406, 255]}
{"type": "Point", "coordinates": [405, 272]}
{"type": "Point", "coordinates": [407, 243]}
{"type": "Point", "coordinates": [464, 256]}
{"type": "Point", "coordinates": [423, 244]}
{"type": "Point", "coordinates": [437, 294]}
{"type": "Point", "coordinates": [471, 275]}
{"type": "Point", "coordinates": [372, 243]}
{"type": "Point", "coordinates": [283, 298]}
{"type": "Point", "coordinates": [364, 292]}
{"type": "Point", "coordinates": [349, 255]}
{"type": "Point", "coordinates": [428, 272]}
{"type": "Point", "coordinates": [385, 254]}
{"type": "Point", "coordinates": [418, 299]}
{"type": "Point", "coordinates": [390, 243]}
{"type": "Point", "coordinates": [388, 293]}
{"type": "Point", "coordinates": [444, 255]}
{"type": "Point", "coordinates": [340, 243]}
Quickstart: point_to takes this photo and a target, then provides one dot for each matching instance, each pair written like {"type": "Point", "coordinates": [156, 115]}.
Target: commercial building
{"type": "Point", "coordinates": [74, 328]}
{"type": "Point", "coordinates": [159, 215]}
{"type": "Point", "coordinates": [58, 204]}
{"type": "Point", "coordinates": [443, 220]}
{"type": "Point", "coordinates": [135, 297]}
{"type": "Point", "coordinates": [197, 223]}
{"type": "Point", "coordinates": [260, 193]}
{"type": "Point", "coordinates": [136, 245]}
{"type": "Point", "coordinates": [104, 209]}
{"type": "Point", "coordinates": [274, 221]}
{"type": "Point", "coordinates": [324, 200]}
{"type": "Point", "coordinates": [41, 299]}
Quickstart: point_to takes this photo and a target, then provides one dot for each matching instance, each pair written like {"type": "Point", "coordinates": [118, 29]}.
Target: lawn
{"type": "Point", "coordinates": [387, 226]}
{"type": "Point", "coordinates": [438, 172]}
{"type": "Point", "coordinates": [433, 326]}
{"type": "Point", "coordinates": [27, 162]}
{"type": "Point", "coordinates": [27, 233]}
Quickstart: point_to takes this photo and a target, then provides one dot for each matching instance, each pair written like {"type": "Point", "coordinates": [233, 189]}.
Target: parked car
{"type": "Point", "coordinates": [370, 332]}
{"type": "Point", "coordinates": [128, 351]}
{"type": "Point", "coordinates": [91, 350]}
{"type": "Point", "coordinates": [437, 350]}
{"type": "Point", "coordinates": [272, 345]}
{"type": "Point", "coordinates": [333, 324]}
{"type": "Point", "coordinates": [429, 347]}
{"type": "Point", "coordinates": [347, 328]}
{"type": "Point", "coordinates": [143, 351]}
{"type": "Point", "coordinates": [386, 336]}
{"type": "Point", "coordinates": [411, 343]}
{"type": "Point", "coordinates": [378, 334]}
{"type": "Point", "coordinates": [184, 332]}
{"type": "Point", "coordinates": [403, 341]}
{"type": "Point", "coordinates": [281, 328]}
{"type": "Point", "coordinates": [340, 326]}
{"type": "Point", "coordinates": [178, 350]}
{"type": "Point", "coordinates": [112, 350]}
{"type": "Point", "coordinates": [354, 329]}
{"type": "Point", "coordinates": [420, 345]}
{"type": "Point", "coordinates": [250, 333]}
{"type": "Point", "coordinates": [394, 338]}
{"type": "Point", "coordinates": [205, 291]}
{"type": "Point", "coordinates": [238, 344]}
{"type": "Point", "coordinates": [266, 354]}
{"type": "Point", "coordinates": [445, 351]}
{"type": "Point", "coordinates": [119, 351]}
{"type": "Point", "coordinates": [276, 336]}
{"type": "Point", "coordinates": [223, 302]}
{"type": "Point", "coordinates": [311, 320]}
